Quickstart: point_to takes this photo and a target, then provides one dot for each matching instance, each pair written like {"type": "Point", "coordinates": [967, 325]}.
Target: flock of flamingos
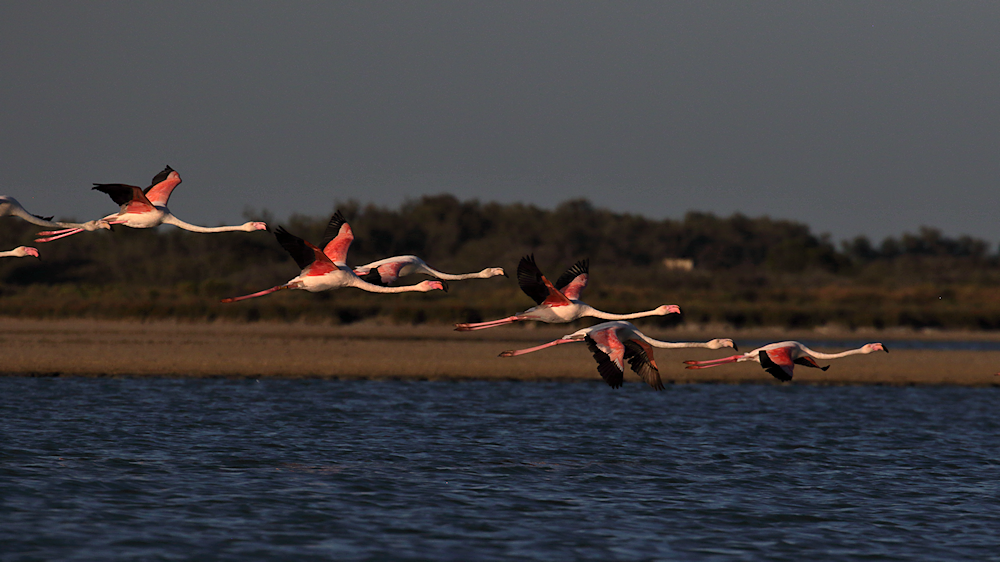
{"type": "Point", "coordinates": [324, 267]}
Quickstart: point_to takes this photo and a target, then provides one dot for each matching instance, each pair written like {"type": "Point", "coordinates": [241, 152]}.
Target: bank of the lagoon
{"type": "Point", "coordinates": [364, 350]}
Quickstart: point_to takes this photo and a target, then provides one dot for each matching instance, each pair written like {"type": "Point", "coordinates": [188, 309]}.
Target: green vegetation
{"type": "Point", "coordinates": [747, 271]}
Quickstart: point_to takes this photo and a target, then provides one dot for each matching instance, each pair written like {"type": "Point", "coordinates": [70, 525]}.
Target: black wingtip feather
{"type": "Point", "coordinates": [333, 228]}
{"type": "Point", "coordinates": [605, 366]}
{"type": "Point", "coordinates": [296, 247]}
{"type": "Point", "coordinates": [579, 268]}
{"type": "Point", "coordinates": [158, 178]}
{"type": "Point", "coordinates": [529, 278]}
{"type": "Point", "coordinates": [773, 368]}
{"type": "Point", "coordinates": [119, 192]}
{"type": "Point", "coordinates": [640, 363]}
{"type": "Point", "coordinates": [373, 277]}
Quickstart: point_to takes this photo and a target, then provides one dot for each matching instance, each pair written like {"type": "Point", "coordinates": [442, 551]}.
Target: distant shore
{"type": "Point", "coordinates": [82, 347]}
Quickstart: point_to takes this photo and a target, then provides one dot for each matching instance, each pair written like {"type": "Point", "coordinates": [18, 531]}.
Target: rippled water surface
{"type": "Point", "coordinates": [103, 469]}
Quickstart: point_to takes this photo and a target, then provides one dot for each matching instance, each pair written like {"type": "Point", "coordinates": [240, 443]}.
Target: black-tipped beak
{"type": "Point", "coordinates": [505, 274]}
{"type": "Point", "coordinates": [885, 349]}
{"type": "Point", "coordinates": [734, 347]}
{"type": "Point", "coordinates": [444, 286]}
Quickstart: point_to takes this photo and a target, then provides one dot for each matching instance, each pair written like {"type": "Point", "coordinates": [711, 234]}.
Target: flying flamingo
{"type": "Point", "coordinates": [561, 302]}
{"type": "Point", "coordinates": [20, 252]}
{"type": "Point", "coordinates": [389, 270]}
{"type": "Point", "coordinates": [147, 208]}
{"type": "Point", "coordinates": [10, 207]}
{"type": "Point", "coordinates": [326, 269]}
{"type": "Point", "coordinates": [613, 343]}
{"type": "Point", "coordinates": [780, 358]}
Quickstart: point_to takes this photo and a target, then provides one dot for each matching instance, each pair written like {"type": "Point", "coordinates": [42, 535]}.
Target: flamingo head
{"type": "Point", "coordinates": [665, 309]}
{"type": "Point", "coordinates": [252, 226]}
{"type": "Point", "coordinates": [871, 347]}
{"type": "Point", "coordinates": [426, 286]}
{"type": "Point", "coordinates": [719, 343]}
{"type": "Point", "coordinates": [25, 251]}
{"type": "Point", "coordinates": [493, 272]}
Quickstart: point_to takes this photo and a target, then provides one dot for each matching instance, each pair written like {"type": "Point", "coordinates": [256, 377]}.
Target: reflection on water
{"type": "Point", "coordinates": [235, 470]}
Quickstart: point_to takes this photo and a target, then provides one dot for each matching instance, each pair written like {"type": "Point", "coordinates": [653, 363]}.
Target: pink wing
{"type": "Point", "coordinates": [576, 286]}
{"type": "Point", "coordinates": [320, 266]}
{"type": "Point", "coordinates": [130, 197]}
{"type": "Point", "coordinates": [337, 248]}
{"type": "Point", "coordinates": [574, 280]}
{"type": "Point", "coordinates": [390, 272]}
{"type": "Point", "coordinates": [555, 298]}
{"type": "Point", "coordinates": [609, 352]}
{"type": "Point", "coordinates": [385, 274]}
{"type": "Point", "coordinates": [163, 185]}
{"type": "Point", "coordinates": [778, 362]}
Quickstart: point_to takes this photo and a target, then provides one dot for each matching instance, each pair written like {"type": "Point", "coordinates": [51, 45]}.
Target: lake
{"type": "Point", "coordinates": [173, 469]}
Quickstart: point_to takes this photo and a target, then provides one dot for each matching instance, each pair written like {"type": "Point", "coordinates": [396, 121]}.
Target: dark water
{"type": "Point", "coordinates": [104, 469]}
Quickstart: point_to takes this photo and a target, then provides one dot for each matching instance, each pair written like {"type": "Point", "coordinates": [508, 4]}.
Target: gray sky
{"type": "Point", "coordinates": [855, 117]}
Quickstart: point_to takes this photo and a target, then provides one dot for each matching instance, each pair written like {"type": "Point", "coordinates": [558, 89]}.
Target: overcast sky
{"type": "Point", "coordinates": [855, 117]}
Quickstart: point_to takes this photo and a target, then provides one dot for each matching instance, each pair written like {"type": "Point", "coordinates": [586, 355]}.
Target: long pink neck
{"type": "Point", "coordinates": [591, 311]}
{"type": "Point", "coordinates": [366, 286]}
{"type": "Point", "coordinates": [170, 219]}
{"type": "Point", "coordinates": [817, 355]}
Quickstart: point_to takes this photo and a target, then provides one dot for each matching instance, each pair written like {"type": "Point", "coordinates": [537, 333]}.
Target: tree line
{"type": "Point", "coordinates": [747, 271]}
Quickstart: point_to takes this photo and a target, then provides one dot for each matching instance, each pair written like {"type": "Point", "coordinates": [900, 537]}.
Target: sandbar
{"type": "Point", "coordinates": [106, 348]}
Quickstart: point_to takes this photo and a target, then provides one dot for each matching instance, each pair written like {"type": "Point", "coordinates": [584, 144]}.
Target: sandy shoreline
{"type": "Point", "coordinates": [371, 351]}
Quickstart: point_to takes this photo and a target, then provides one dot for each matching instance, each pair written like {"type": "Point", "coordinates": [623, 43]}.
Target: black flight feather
{"type": "Point", "coordinates": [640, 363]}
{"type": "Point", "coordinates": [605, 366]}
{"type": "Point", "coordinates": [297, 247]}
{"type": "Point", "coordinates": [773, 368]}
{"type": "Point", "coordinates": [529, 278]}
{"type": "Point", "coordinates": [41, 217]}
{"type": "Point", "coordinates": [332, 228]}
{"type": "Point", "coordinates": [809, 362]}
{"type": "Point", "coordinates": [579, 268]}
{"type": "Point", "coordinates": [158, 178]}
{"type": "Point", "coordinates": [119, 192]}
{"type": "Point", "coordinates": [373, 277]}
